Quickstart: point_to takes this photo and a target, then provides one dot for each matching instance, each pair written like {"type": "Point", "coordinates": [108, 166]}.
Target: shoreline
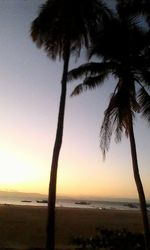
{"type": "Point", "coordinates": [24, 226]}
{"type": "Point", "coordinates": [81, 203]}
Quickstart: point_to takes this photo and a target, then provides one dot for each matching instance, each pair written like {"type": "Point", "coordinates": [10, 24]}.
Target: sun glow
{"type": "Point", "coordinates": [14, 168]}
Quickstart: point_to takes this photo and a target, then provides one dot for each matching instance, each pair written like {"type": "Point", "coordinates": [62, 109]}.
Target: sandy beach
{"type": "Point", "coordinates": [24, 226]}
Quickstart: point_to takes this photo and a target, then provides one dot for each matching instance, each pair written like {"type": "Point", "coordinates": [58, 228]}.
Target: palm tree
{"type": "Point", "coordinates": [122, 47]}
{"type": "Point", "coordinates": [62, 28]}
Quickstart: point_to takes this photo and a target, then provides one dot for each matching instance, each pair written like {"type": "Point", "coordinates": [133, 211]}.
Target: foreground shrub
{"type": "Point", "coordinates": [111, 240]}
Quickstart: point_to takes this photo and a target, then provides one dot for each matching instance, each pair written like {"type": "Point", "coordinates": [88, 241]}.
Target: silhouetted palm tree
{"type": "Point", "coordinates": [123, 49]}
{"type": "Point", "coordinates": [61, 28]}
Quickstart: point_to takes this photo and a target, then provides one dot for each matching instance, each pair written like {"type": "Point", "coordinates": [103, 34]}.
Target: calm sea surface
{"type": "Point", "coordinates": [98, 204]}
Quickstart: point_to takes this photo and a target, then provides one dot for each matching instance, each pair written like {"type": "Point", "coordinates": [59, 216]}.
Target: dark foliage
{"type": "Point", "coordinates": [111, 240]}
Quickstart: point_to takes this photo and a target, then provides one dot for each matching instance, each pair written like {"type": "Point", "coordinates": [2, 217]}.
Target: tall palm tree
{"type": "Point", "coordinates": [123, 49]}
{"type": "Point", "coordinates": [62, 28]}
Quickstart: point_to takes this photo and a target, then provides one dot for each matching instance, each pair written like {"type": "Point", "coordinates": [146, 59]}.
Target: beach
{"type": "Point", "coordinates": [24, 227]}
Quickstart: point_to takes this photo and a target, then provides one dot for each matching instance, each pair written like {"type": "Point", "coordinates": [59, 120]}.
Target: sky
{"type": "Point", "coordinates": [29, 98]}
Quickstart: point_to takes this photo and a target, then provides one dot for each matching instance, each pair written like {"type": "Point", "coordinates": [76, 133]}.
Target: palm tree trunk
{"type": "Point", "coordinates": [139, 185]}
{"type": "Point", "coordinates": [50, 236]}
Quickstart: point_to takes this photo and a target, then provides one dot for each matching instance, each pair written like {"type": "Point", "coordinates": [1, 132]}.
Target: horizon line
{"type": "Point", "coordinates": [74, 196]}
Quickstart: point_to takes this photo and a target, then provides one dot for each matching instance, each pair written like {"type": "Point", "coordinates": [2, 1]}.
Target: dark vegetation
{"type": "Point", "coordinates": [106, 239]}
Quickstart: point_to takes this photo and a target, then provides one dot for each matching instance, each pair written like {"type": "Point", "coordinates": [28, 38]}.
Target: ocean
{"type": "Point", "coordinates": [72, 203]}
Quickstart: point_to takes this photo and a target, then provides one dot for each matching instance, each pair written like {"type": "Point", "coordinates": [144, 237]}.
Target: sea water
{"type": "Point", "coordinates": [73, 203]}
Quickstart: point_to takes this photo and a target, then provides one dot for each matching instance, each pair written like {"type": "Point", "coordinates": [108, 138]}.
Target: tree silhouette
{"type": "Point", "coordinates": [62, 28]}
{"type": "Point", "coordinates": [122, 46]}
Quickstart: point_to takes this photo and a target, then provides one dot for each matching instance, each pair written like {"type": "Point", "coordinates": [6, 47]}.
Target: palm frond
{"type": "Point", "coordinates": [91, 69]}
{"type": "Point", "coordinates": [141, 8]}
{"type": "Point", "coordinates": [145, 77]}
{"type": "Point", "coordinates": [116, 116]}
{"type": "Point", "coordinates": [89, 83]}
{"type": "Point", "coordinates": [106, 133]}
{"type": "Point", "coordinates": [107, 128]}
{"type": "Point", "coordinates": [112, 119]}
{"type": "Point", "coordinates": [78, 90]}
{"type": "Point", "coordinates": [144, 101]}
{"type": "Point", "coordinates": [134, 7]}
{"type": "Point", "coordinates": [82, 70]}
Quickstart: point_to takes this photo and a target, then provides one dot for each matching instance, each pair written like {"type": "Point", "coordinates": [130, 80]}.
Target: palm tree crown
{"type": "Point", "coordinates": [126, 59]}
{"type": "Point", "coordinates": [64, 21]}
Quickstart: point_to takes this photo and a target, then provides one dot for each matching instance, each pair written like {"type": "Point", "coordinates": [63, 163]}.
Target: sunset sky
{"type": "Point", "coordinates": [29, 98]}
